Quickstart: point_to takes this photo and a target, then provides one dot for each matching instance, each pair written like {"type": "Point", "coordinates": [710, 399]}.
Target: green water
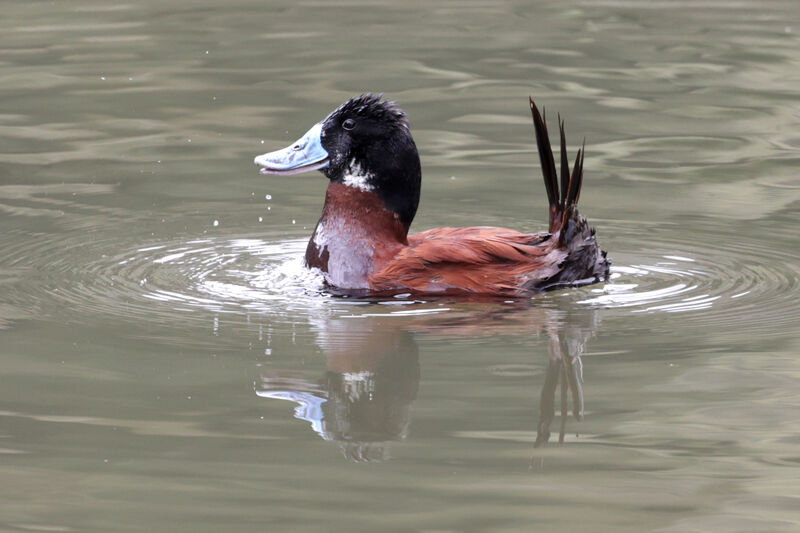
{"type": "Point", "coordinates": [168, 365]}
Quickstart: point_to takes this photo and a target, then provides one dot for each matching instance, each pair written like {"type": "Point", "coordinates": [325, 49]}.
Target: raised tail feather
{"type": "Point", "coordinates": [563, 206]}
{"type": "Point", "coordinates": [585, 257]}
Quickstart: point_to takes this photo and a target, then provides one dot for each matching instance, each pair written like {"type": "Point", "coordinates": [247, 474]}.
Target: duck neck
{"type": "Point", "coordinates": [356, 234]}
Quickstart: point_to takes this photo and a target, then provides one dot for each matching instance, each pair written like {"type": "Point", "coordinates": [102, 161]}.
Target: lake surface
{"type": "Point", "coordinates": [168, 364]}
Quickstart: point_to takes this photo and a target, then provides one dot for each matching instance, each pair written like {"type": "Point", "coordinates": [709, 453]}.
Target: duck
{"type": "Point", "coordinates": [362, 245]}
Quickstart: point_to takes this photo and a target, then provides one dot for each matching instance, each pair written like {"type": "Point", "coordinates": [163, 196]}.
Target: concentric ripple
{"type": "Point", "coordinates": [161, 281]}
{"type": "Point", "coordinates": [720, 282]}
{"type": "Point", "coordinates": [723, 281]}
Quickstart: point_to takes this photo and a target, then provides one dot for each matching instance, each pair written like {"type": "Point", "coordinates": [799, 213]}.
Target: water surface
{"type": "Point", "coordinates": [170, 366]}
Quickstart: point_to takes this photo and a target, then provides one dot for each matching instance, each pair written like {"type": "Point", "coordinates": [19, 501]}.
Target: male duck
{"type": "Point", "coordinates": [361, 242]}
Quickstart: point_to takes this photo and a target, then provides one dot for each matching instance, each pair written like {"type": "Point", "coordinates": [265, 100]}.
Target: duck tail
{"type": "Point", "coordinates": [548, 167]}
{"type": "Point", "coordinates": [563, 203]}
{"type": "Point", "coordinates": [572, 230]}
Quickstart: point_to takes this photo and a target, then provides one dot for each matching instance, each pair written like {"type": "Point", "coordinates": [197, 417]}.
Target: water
{"type": "Point", "coordinates": [168, 365]}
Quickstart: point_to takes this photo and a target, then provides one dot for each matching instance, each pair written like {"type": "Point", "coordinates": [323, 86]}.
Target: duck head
{"type": "Point", "coordinates": [366, 144]}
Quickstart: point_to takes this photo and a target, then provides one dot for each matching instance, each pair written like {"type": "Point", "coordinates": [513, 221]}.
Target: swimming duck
{"type": "Point", "coordinates": [361, 242]}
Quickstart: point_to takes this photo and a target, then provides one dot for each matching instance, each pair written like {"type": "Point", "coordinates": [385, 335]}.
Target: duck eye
{"type": "Point", "coordinates": [349, 124]}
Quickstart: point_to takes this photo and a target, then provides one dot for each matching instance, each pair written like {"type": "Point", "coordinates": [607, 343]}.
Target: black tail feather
{"type": "Point", "coordinates": [576, 180]}
{"type": "Point", "coordinates": [564, 162]}
{"type": "Point", "coordinates": [563, 206]}
{"type": "Point", "coordinates": [547, 162]}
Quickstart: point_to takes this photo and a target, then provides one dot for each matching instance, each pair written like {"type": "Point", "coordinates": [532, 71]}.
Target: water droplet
{"type": "Point", "coordinates": [262, 141]}
{"type": "Point", "coordinates": [216, 223]}
{"type": "Point", "coordinates": [261, 219]}
{"type": "Point", "coordinates": [269, 208]}
{"type": "Point", "coordinates": [188, 140]}
{"type": "Point", "coordinates": [294, 221]}
{"type": "Point", "coordinates": [206, 52]}
{"type": "Point", "coordinates": [268, 197]}
{"type": "Point", "coordinates": [103, 78]}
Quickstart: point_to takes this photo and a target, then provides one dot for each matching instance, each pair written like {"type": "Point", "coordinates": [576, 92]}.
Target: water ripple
{"type": "Point", "coordinates": [721, 283]}
{"type": "Point", "coordinates": [724, 281]}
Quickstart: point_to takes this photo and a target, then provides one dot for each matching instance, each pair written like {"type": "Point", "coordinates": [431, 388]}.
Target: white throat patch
{"type": "Point", "coordinates": [357, 177]}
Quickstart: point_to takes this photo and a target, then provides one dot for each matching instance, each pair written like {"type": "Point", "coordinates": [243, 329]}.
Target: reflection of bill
{"type": "Point", "coordinates": [364, 400]}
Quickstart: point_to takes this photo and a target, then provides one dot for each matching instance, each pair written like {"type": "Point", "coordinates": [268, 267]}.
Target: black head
{"type": "Point", "coordinates": [370, 147]}
{"type": "Point", "coordinates": [365, 143]}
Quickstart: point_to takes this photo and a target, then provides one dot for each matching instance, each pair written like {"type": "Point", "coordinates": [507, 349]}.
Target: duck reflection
{"type": "Point", "coordinates": [364, 399]}
{"type": "Point", "coordinates": [568, 336]}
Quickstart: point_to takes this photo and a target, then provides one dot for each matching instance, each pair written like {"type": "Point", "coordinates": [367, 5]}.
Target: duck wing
{"type": "Point", "coordinates": [483, 260]}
